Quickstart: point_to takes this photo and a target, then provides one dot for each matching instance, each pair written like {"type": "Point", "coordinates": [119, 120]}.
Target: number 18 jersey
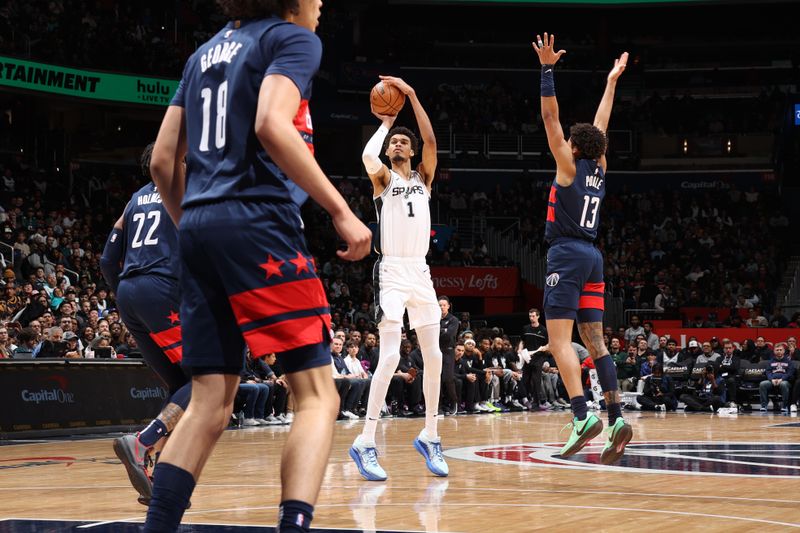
{"type": "Point", "coordinates": [219, 92]}
{"type": "Point", "coordinates": [404, 217]}
{"type": "Point", "coordinates": [574, 212]}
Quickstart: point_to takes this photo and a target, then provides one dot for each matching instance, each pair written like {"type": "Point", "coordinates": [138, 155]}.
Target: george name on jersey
{"type": "Point", "coordinates": [151, 198]}
{"type": "Point", "coordinates": [407, 191]}
{"type": "Point", "coordinates": [223, 52]}
{"type": "Point", "coordinates": [594, 181]}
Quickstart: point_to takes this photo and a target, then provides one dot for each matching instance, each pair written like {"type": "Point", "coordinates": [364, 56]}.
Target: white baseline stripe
{"type": "Point", "coordinates": [594, 507]}
{"type": "Point", "coordinates": [478, 504]}
{"type": "Point", "coordinates": [449, 489]}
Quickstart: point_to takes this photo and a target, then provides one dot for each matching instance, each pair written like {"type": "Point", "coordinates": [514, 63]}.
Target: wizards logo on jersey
{"type": "Point", "coordinates": [302, 121]}
{"type": "Point", "coordinates": [708, 458]}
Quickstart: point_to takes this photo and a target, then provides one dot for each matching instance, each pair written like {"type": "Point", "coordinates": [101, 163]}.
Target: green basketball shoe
{"type": "Point", "coordinates": [582, 432]}
{"type": "Point", "coordinates": [617, 436]}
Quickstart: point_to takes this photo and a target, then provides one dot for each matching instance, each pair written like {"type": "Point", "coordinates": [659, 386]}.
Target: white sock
{"type": "Point", "coordinates": [381, 377]}
{"type": "Point", "coordinates": [432, 376]}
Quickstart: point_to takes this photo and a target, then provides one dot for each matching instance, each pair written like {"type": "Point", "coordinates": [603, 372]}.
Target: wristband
{"type": "Point", "coordinates": [548, 85]}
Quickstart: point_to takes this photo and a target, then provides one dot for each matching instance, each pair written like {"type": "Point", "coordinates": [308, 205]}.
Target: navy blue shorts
{"type": "Point", "coordinates": [574, 287]}
{"type": "Point", "coordinates": [149, 307]}
{"type": "Point", "coordinates": [248, 278]}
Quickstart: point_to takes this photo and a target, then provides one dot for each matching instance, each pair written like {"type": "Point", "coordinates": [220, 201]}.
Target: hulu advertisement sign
{"type": "Point", "coordinates": [79, 83]}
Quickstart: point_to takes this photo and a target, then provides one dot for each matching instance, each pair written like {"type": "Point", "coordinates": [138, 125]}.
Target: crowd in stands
{"type": "Point", "coordinates": [502, 107]}
{"type": "Point", "coordinates": [86, 33]}
{"type": "Point", "coordinates": [496, 372]}
{"type": "Point", "coordinates": [56, 304]}
{"type": "Point", "coordinates": [662, 251]}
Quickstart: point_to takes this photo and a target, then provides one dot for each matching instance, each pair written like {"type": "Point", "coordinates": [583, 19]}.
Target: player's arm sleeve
{"type": "Point", "coordinates": [296, 53]}
{"type": "Point", "coordinates": [111, 260]}
{"type": "Point", "coordinates": [372, 151]}
{"type": "Point", "coordinates": [179, 98]}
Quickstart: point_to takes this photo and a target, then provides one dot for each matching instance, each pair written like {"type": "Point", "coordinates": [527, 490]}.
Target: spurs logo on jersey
{"type": "Point", "coordinates": [404, 217]}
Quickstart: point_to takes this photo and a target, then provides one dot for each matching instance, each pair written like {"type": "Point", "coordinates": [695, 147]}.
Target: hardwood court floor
{"type": "Point", "coordinates": [689, 472]}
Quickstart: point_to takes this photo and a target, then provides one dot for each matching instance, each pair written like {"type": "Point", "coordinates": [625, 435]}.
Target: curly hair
{"type": "Point", "coordinates": [400, 130]}
{"type": "Point", "coordinates": [144, 160]}
{"type": "Point", "coordinates": [251, 9]}
{"type": "Point", "coordinates": [589, 140]}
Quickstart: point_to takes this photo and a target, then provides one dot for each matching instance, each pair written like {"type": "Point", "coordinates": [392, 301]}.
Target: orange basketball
{"type": "Point", "coordinates": [386, 99]}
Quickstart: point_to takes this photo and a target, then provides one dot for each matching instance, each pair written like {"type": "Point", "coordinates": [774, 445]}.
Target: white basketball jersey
{"type": "Point", "coordinates": [404, 217]}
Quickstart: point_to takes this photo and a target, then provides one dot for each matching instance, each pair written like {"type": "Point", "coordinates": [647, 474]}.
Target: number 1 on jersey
{"type": "Point", "coordinates": [410, 209]}
{"type": "Point", "coordinates": [222, 103]}
{"type": "Point", "coordinates": [594, 201]}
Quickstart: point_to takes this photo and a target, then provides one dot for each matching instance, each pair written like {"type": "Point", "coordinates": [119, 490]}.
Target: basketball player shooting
{"type": "Point", "coordinates": [402, 277]}
{"type": "Point", "coordinates": [574, 286]}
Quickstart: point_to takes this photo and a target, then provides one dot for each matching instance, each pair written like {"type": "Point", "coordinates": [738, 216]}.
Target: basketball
{"type": "Point", "coordinates": [386, 99]}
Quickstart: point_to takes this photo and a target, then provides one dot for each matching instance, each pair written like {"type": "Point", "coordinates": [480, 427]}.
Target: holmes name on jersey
{"type": "Point", "coordinates": [223, 52]}
{"type": "Point", "coordinates": [146, 199]}
{"type": "Point", "coordinates": [407, 191]}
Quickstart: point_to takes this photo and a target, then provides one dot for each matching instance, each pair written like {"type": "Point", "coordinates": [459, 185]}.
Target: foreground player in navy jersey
{"type": "Point", "coordinates": [574, 287]}
{"type": "Point", "coordinates": [240, 117]}
{"type": "Point", "coordinates": [140, 262]}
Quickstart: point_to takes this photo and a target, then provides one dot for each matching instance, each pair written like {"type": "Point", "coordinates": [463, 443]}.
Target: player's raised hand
{"type": "Point", "coordinates": [404, 87]}
{"type": "Point", "coordinates": [546, 51]}
{"type": "Point", "coordinates": [357, 236]}
{"type": "Point", "coordinates": [387, 120]}
{"type": "Point", "coordinates": [619, 67]}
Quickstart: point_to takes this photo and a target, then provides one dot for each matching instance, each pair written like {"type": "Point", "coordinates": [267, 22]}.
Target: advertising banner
{"type": "Point", "coordinates": [42, 396]}
{"type": "Point", "coordinates": [476, 281]}
{"type": "Point", "coordinates": [85, 83]}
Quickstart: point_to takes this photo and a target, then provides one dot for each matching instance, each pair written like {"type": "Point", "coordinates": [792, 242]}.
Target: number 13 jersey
{"type": "Point", "coordinates": [574, 212]}
{"type": "Point", "coordinates": [404, 217]}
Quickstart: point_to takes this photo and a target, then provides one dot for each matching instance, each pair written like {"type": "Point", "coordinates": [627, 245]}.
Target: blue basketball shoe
{"type": "Point", "coordinates": [365, 456]}
{"type": "Point", "coordinates": [431, 450]}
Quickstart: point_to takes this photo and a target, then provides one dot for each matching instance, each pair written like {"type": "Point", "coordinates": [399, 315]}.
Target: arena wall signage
{"type": "Point", "coordinates": [91, 84]}
{"type": "Point", "coordinates": [476, 281]}
{"type": "Point", "coordinates": [46, 396]}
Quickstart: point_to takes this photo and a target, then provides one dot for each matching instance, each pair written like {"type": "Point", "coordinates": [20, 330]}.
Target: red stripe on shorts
{"type": "Point", "coordinates": [595, 287]}
{"type": "Point", "coordinates": [278, 299]}
{"type": "Point", "coordinates": [591, 302]}
{"type": "Point", "coordinates": [175, 354]}
{"type": "Point", "coordinates": [167, 337]}
{"type": "Point", "coordinates": [287, 335]}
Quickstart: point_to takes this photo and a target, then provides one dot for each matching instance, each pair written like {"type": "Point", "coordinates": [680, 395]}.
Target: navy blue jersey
{"type": "Point", "coordinates": [150, 237]}
{"type": "Point", "coordinates": [219, 93]}
{"type": "Point", "coordinates": [574, 211]}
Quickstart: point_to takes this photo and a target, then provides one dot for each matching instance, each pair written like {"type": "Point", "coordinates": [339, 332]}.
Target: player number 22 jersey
{"type": "Point", "coordinates": [404, 217]}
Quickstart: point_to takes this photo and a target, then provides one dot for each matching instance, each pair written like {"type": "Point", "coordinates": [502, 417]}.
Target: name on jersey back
{"type": "Point", "coordinates": [594, 181]}
{"type": "Point", "coordinates": [146, 199]}
{"type": "Point", "coordinates": [222, 52]}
